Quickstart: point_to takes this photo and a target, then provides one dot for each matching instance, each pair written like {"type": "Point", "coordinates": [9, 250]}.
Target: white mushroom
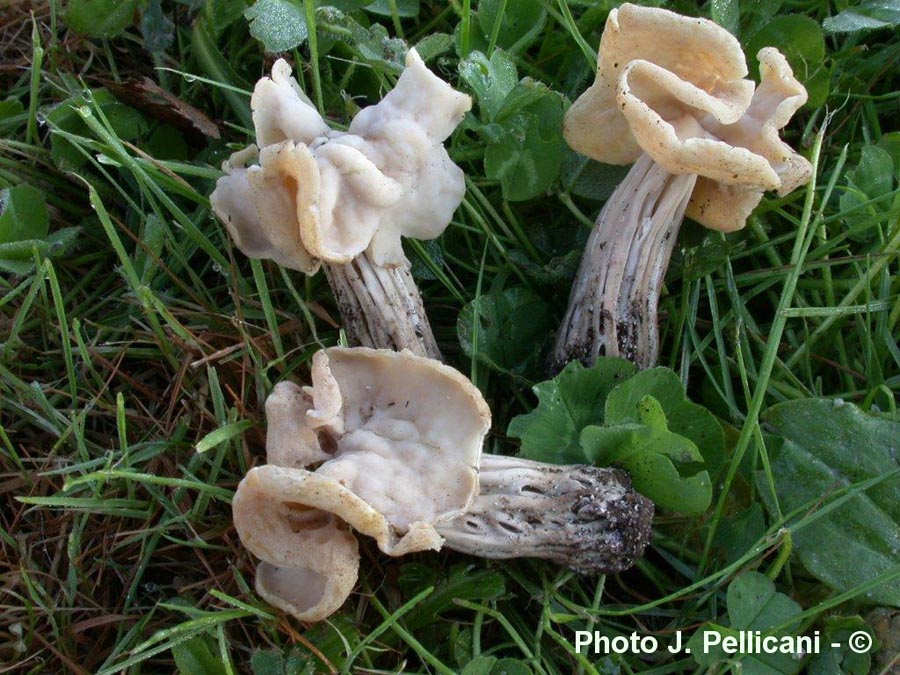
{"type": "Point", "coordinates": [669, 95]}
{"type": "Point", "coordinates": [347, 198]}
{"type": "Point", "coordinates": [397, 439]}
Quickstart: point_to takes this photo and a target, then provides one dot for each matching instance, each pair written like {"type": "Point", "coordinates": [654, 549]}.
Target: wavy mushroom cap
{"type": "Point", "coordinates": [674, 88]}
{"type": "Point", "coordinates": [308, 557]}
{"type": "Point", "coordinates": [402, 432]}
{"type": "Point", "coordinates": [256, 200]}
{"type": "Point", "coordinates": [282, 112]}
{"type": "Point", "coordinates": [388, 177]}
{"type": "Point", "coordinates": [399, 440]}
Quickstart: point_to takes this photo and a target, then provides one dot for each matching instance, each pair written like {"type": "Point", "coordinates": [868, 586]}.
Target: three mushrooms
{"type": "Point", "coordinates": [387, 441]}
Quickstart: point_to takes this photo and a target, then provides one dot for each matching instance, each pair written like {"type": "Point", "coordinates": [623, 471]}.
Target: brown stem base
{"type": "Point", "coordinates": [612, 307]}
{"type": "Point", "coordinates": [381, 306]}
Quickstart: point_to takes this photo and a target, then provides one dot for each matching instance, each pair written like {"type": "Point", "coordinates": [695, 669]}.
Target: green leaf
{"type": "Point", "coordinates": [157, 29]}
{"type": "Point", "coordinates": [709, 254]}
{"type": "Point", "coordinates": [126, 122]}
{"type": "Point", "coordinates": [23, 214]}
{"type": "Point", "coordinates": [757, 13]}
{"type": "Point", "coordinates": [753, 605]}
{"type": "Point", "coordinates": [10, 107]}
{"type": "Point", "coordinates": [506, 331]}
{"type": "Point", "coordinates": [279, 24]}
{"type": "Point", "coordinates": [422, 265]}
{"type": "Point", "coordinates": [556, 273]}
{"type": "Point", "coordinates": [406, 9]}
{"type": "Point", "coordinates": [16, 256]}
{"type": "Point", "coordinates": [166, 142]}
{"type": "Point", "coordinates": [726, 13]}
{"type": "Point", "coordinates": [520, 24]}
{"type": "Point", "coordinates": [890, 143]}
{"type": "Point", "coordinates": [869, 198]}
{"type": "Point", "coordinates": [222, 13]}
{"type": "Point", "coordinates": [267, 662]}
{"type": "Point", "coordinates": [434, 45]}
{"type": "Point", "coordinates": [828, 445]}
{"type": "Point", "coordinates": [649, 451]}
{"type": "Point", "coordinates": [608, 415]}
{"type": "Point", "coordinates": [869, 15]}
{"type": "Point", "coordinates": [738, 533]}
{"type": "Point", "coordinates": [274, 662]}
{"type": "Point", "coordinates": [100, 18]}
{"type": "Point", "coordinates": [372, 43]}
{"type": "Point", "coordinates": [528, 96]}
{"type": "Point", "coordinates": [528, 156]}
{"type": "Point", "coordinates": [800, 39]}
{"type": "Point", "coordinates": [521, 122]}
{"type": "Point", "coordinates": [196, 657]}
{"type": "Point", "coordinates": [841, 660]}
{"type": "Point", "coordinates": [17, 267]}
{"type": "Point", "coordinates": [684, 417]}
{"type": "Point", "coordinates": [588, 178]}
{"type": "Point", "coordinates": [567, 404]}
{"type": "Point", "coordinates": [491, 80]}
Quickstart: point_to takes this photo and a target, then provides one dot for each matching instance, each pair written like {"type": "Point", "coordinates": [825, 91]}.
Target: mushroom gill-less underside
{"type": "Point", "coordinates": [670, 96]}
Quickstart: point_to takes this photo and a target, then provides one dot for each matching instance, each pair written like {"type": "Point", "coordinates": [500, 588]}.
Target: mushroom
{"type": "Point", "coordinates": [670, 96]}
{"type": "Point", "coordinates": [312, 196]}
{"type": "Point", "coordinates": [397, 439]}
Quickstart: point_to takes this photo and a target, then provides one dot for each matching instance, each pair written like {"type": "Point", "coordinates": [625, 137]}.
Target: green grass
{"type": "Point", "coordinates": [134, 363]}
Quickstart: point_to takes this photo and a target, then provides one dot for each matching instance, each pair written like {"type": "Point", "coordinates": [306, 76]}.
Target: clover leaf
{"type": "Point", "coordinates": [652, 454]}
{"type": "Point", "coordinates": [279, 24]}
{"type": "Point", "coordinates": [612, 415]}
{"type": "Point", "coordinates": [521, 122]}
{"type": "Point", "coordinates": [567, 404]}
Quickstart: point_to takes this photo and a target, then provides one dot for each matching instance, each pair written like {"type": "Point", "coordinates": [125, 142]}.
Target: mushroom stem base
{"type": "Point", "coordinates": [613, 304]}
{"type": "Point", "coordinates": [381, 306]}
{"type": "Point", "coordinates": [586, 518]}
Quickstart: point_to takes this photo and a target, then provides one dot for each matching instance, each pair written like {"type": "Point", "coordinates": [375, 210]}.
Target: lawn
{"type": "Point", "coordinates": [138, 346]}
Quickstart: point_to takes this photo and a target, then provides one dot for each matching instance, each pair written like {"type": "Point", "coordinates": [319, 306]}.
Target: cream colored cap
{"type": "Point", "coordinates": [673, 87]}
{"type": "Point", "coordinates": [399, 437]}
{"type": "Point", "coordinates": [319, 194]}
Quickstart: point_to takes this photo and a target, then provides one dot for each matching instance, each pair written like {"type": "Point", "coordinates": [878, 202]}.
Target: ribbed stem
{"type": "Point", "coordinates": [612, 307]}
{"type": "Point", "coordinates": [381, 306]}
{"type": "Point", "coordinates": [585, 518]}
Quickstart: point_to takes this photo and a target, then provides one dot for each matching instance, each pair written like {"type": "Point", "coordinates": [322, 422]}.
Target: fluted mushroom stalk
{"type": "Point", "coordinates": [381, 306]}
{"type": "Point", "coordinates": [582, 517]}
{"type": "Point", "coordinates": [671, 96]}
{"type": "Point", "coordinates": [311, 196]}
